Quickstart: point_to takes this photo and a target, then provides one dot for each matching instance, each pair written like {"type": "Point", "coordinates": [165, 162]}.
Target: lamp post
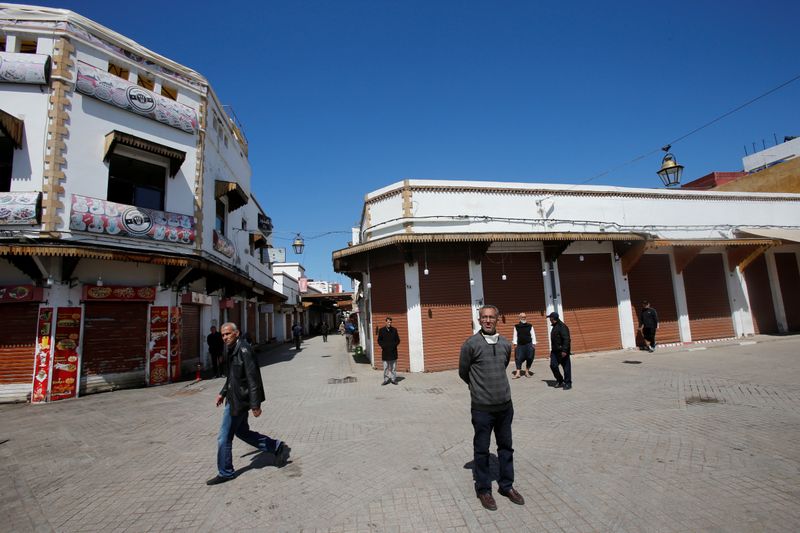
{"type": "Point", "coordinates": [671, 171]}
{"type": "Point", "coordinates": [298, 244]}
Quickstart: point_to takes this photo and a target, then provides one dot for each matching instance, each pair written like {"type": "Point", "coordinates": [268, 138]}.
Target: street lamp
{"type": "Point", "coordinates": [298, 244]}
{"type": "Point", "coordinates": [671, 171]}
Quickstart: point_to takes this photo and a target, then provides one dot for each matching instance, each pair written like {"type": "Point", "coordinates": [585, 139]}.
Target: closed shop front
{"type": "Point", "coordinates": [589, 301]}
{"type": "Point", "coordinates": [707, 298]}
{"type": "Point", "coordinates": [446, 312]}
{"type": "Point", "coordinates": [761, 305]}
{"type": "Point", "coordinates": [251, 320]}
{"type": "Point", "coordinates": [789, 278]}
{"type": "Point", "coordinates": [651, 280]}
{"type": "Point", "coordinates": [235, 315]}
{"type": "Point", "coordinates": [521, 291]}
{"type": "Point", "coordinates": [192, 345]}
{"type": "Point", "coordinates": [115, 341]}
{"type": "Point", "coordinates": [390, 301]}
{"type": "Point", "coordinates": [17, 341]}
{"type": "Point", "coordinates": [263, 334]}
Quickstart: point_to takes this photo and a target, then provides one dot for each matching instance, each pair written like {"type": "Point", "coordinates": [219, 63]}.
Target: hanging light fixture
{"type": "Point", "coordinates": [671, 171]}
{"type": "Point", "coordinates": [426, 271]}
{"type": "Point", "coordinates": [298, 244]}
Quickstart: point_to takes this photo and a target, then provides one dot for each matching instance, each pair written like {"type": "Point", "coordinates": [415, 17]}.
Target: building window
{"type": "Point", "coordinates": [169, 92]}
{"type": "Point", "coordinates": [120, 72]}
{"type": "Point", "coordinates": [136, 182]}
{"type": "Point", "coordinates": [145, 82]}
{"type": "Point", "coordinates": [219, 221]}
{"type": "Point", "coordinates": [27, 47]}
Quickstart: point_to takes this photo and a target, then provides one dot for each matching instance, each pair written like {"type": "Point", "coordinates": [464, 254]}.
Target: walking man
{"type": "Point", "coordinates": [243, 391]}
{"type": "Point", "coordinates": [215, 347]}
{"type": "Point", "coordinates": [524, 343]}
{"type": "Point", "coordinates": [559, 352]}
{"type": "Point", "coordinates": [648, 324]}
{"type": "Point", "coordinates": [482, 365]}
{"type": "Point", "coordinates": [349, 329]}
{"type": "Point", "coordinates": [389, 340]}
{"type": "Point", "coordinates": [297, 331]}
{"type": "Point", "coordinates": [324, 330]}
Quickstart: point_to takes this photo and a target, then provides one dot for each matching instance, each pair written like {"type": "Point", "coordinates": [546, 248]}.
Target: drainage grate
{"type": "Point", "coordinates": [700, 399]}
{"type": "Point", "coordinates": [632, 362]}
{"type": "Point", "coordinates": [337, 381]}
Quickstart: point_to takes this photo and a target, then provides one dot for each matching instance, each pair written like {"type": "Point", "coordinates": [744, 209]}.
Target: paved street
{"type": "Point", "coordinates": [698, 438]}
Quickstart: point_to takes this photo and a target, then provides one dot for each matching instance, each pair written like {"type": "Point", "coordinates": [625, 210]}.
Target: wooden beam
{"type": "Point", "coordinates": [629, 259]}
{"type": "Point", "coordinates": [553, 249]}
{"type": "Point", "coordinates": [684, 255]}
{"type": "Point", "coordinates": [742, 256]}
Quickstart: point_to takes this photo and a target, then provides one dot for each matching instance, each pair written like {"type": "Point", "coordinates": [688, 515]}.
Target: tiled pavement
{"type": "Point", "coordinates": [688, 440]}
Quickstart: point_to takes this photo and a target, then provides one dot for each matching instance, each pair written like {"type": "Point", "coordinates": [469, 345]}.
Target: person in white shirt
{"type": "Point", "coordinates": [524, 343]}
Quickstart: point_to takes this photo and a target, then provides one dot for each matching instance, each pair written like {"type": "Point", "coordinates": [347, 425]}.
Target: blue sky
{"type": "Point", "coordinates": [339, 98]}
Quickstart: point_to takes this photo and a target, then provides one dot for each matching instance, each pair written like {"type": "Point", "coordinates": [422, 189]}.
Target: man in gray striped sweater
{"type": "Point", "coordinates": [482, 365]}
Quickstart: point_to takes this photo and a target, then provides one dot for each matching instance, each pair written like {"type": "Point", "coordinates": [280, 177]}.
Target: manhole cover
{"type": "Point", "coordinates": [700, 399]}
{"type": "Point", "coordinates": [337, 381]}
{"type": "Point", "coordinates": [632, 362]}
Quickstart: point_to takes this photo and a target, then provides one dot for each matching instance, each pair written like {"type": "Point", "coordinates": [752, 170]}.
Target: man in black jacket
{"type": "Point", "coordinates": [243, 391]}
{"type": "Point", "coordinates": [215, 347]}
{"type": "Point", "coordinates": [389, 340]}
{"type": "Point", "coordinates": [559, 351]}
{"type": "Point", "coordinates": [648, 324]}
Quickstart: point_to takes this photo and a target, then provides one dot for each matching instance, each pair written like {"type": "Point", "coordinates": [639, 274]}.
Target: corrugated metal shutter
{"type": "Point", "coordinates": [115, 338]}
{"type": "Point", "coordinates": [651, 280]}
{"type": "Point", "coordinates": [707, 298]}
{"type": "Point", "coordinates": [251, 320]}
{"type": "Point", "coordinates": [762, 307]}
{"type": "Point", "coordinates": [389, 299]}
{"type": "Point", "coordinates": [446, 312]}
{"type": "Point", "coordinates": [790, 288]}
{"type": "Point", "coordinates": [235, 314]}
{"type": "Point", "coordinates": [17, 341]}
{"type": "Point", "coordinates": [589, 301]}
{"type": "Point", "coordinates": [263, 336]}
{"type": "Point", "coordinates": [522, 291]}
{"type": "Point", "coordinates": [190, 337]}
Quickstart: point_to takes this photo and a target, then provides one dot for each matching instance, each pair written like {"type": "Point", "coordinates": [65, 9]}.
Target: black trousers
{"type": "Point", "coordinates": [484, 423]}
{"type": "Point", "coordinates": [555, 360]}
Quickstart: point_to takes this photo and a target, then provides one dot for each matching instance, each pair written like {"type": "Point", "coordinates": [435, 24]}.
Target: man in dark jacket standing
{"type": "Point", "coordinates": [559, 351]}
{"type": "Point", "coordinates": [215, 347]}
{"type": "Point", "coordinates": [482, 365]}
{"type": "Point", "coordinates": [389, 340]}
{"type": "Point", "coordinates": [243, 391]}
{"type": "Point", "coordinates": [648, 324]}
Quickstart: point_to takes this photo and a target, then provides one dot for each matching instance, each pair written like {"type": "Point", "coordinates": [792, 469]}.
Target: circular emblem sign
{"type": "Point", "coordinates": [136, 221]}
{"type": "Point", "coordinates": [140, 100]}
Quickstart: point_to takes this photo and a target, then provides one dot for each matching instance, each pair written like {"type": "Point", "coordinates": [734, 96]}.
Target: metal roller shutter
{"type": "Point", "coordinates": [115, 338]}
{"type": "Point", "coordinates": [762, 307]}
{"type": "Point", "coordinates": [389, 299]}
{"type": "Point", "coordinates": [707, 298]}
{"type": "Point", "coordinates": [263, 335]}
{"type": "Point", "coordinates": [790, 288]}
{"type": "Point", "coordinates": [251, 320]}
{"type": "Point", "coordinates": [522, 291]}
{"type": "Point", "coordinates": [17, 341]}
{"type": "Point", "coordinates": [190, 337]}
{"type": "Point", "coordinates": [589, 301]}
{"type": "Point", "coordinates": [446, 312]}
{"type": "Point", "coordinates": [651, 280]}
{"type": "Point", "coordinates": [235, 315]}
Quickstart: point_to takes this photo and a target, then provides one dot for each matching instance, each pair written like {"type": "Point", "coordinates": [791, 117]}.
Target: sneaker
{"type": "Point", "coordinates": [282, 455]}
{"type": "Point", "coordinates": [218, 479]}
{"type": "Point", "coordinates": [650, 349]}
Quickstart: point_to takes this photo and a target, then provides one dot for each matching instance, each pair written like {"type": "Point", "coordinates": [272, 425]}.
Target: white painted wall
{"type": "Point", "coordinates": [414, 316]}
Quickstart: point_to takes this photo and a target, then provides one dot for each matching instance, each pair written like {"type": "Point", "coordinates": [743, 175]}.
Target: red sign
{"type": "Point", "coordinates": [43, 358]}
{"type": "Point", "coordinates": [119, 293]}
{"type": "Point", "coordinates": [158, 364]}
{"type": "Point", "coordinates": [20, 293]}
{"type": "Point", "coordinates": [66, 359]}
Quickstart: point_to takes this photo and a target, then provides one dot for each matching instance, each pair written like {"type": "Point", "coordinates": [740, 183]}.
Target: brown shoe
{"type": "Point", "coordinates": [513, 495]}
{"type": "Point", "coordinates": [487, 500]}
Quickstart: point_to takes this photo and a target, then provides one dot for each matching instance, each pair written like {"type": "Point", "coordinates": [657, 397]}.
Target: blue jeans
{"type": "Point", "coordinates": [484, 423]}
{"type": "Point", "coordinates": [555, 360]}
{"type": "Point", "coordinates": [236, 425]}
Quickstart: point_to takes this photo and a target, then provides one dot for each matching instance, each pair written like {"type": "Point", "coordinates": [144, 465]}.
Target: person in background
{"type": "Point", "coordinates": [648, 324]}
{"type": "Point", "coordinates": [524, 344]}
{"type": "Point", "coordinates": [389, 340]}
{"type": "Point", "coordinates": [559, 352]}
{"type": "Point", "coordinates": [215, 347]}
{"type": "Point", "coordinates": [324, 330]}
{"type": "Point", "coordinates": [297, 333]}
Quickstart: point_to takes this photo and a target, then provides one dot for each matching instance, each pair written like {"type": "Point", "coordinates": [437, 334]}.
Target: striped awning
{"type": "Point", "coordinates": [176, 157]}
{"type": "Point", "coordinates": [12, 127]}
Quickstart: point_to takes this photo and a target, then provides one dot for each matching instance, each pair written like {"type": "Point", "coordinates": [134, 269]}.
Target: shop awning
{"type": "Point", "coordinates": [234, 192]}
{"type": "Point", "coordinates": [12, 127]}
{"type": "Point", "coordinates": [790, 235]}
{"type": "Point", "coordinates": [708, 243]}
{"type": "Point", "coordinates": [258, 240]}
{"type": "Point", "coordinates": [176, 157]}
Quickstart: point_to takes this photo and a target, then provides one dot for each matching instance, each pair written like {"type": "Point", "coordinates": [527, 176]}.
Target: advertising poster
{"type": "Point", "coordinates": [175, 342]}
{"type": "Point", "coordinates": [44, 355]}
{"type": "Point", "coordinates": [159, 345]}
{"type": "Point", "coordinates": [66, 359]}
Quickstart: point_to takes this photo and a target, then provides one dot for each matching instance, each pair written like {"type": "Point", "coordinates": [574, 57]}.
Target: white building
{"type": "Point", "coordinates": [127, 222]}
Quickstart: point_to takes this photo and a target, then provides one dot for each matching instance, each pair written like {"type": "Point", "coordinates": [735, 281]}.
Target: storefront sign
{"type": "Point", "coordinates": [265, 225]}
{"type": "Point", "coordinates": [20, 208]}
{"type": "Point", "coordinates": [44, 355]}
{"type": "Point", "coordinates": [20, 293]}
{"type": "Point", "coordinates": [119, 293]}
{"type": "Point", "coordinates": [223, 245]}
{"type": "Point", "coordinates": [108, 218]}
{"type": "Point", "coordinates": [196, 298]}
{"type": "Point", "coordinates": [266, 308]}
{"type": "Point", "coordinates": [276, 255]}
{"type": "Point", "coordinates": [121, 93]}
{"type": "Point", "coordinates": [24, 68]}
{"type": "Point", "coordinates": [158, 364]}
{"type": "Point", "coordinates": [175, 342]}
{"type": "Point", "coordinates": [66, 358]}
